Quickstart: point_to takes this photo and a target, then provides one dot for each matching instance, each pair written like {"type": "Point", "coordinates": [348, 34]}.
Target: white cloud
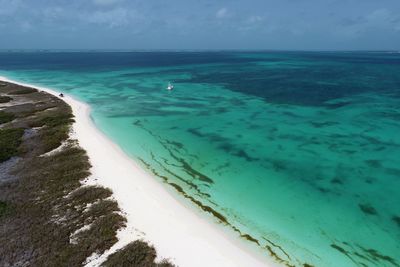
{"type": "Point", "coordinates": [222, 13]}
{"type": "Point", "coordinates": [254, 19]}
{"type": "Point", "coordinates": [251, 23]}
{"type": "Point", "coordinates": [379, 15]}
{"type": "Point", "coordinates": [52, 13]}
{"type": "Point", "coordinates": [379, 19]}
{"type": "Point", "coordinates": [9, 7]}
{"type": "Point", "coordinates": [25, 26]}
{"type": "Point", "coordinates": [113, 18]}
{"type": "Point", "coordinates": [105, 2]}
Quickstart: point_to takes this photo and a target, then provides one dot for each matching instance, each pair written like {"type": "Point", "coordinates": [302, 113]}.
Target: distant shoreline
{"type": "Point", "coordinates": [152, 213]}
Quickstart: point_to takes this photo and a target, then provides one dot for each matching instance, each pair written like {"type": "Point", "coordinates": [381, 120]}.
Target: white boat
{"type": "Point", "coordinates": [170, 86]}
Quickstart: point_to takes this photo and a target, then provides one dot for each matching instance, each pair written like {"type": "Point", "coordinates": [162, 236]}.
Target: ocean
{"type": "Point", "coordinates": [297, 152]}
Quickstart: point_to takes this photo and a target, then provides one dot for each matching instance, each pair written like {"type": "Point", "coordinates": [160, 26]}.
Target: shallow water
{"type": "Point", "coordinates": [298, 152]}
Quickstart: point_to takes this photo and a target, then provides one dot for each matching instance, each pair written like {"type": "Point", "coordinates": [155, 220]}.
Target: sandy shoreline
{"type": "Point", "coordinates": [177, 232]}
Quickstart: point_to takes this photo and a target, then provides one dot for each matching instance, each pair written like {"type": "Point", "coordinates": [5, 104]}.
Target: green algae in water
{"type": "Point", "coordinates": [298, 152]}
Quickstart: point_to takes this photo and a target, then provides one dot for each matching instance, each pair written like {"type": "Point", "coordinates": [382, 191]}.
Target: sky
{"type": "Point", "coordinates": [200, 24]}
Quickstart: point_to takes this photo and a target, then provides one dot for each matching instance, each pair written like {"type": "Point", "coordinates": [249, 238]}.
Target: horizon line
{"type": "Point", "coordinates": [190, 50]}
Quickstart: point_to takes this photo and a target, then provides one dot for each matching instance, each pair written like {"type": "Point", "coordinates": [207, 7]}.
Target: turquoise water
{"type": "Point", "coordinates": [298, 152]}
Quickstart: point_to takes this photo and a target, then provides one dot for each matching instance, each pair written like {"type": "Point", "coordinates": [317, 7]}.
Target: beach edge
{"type": "Point", "coordinates": [153, 214]}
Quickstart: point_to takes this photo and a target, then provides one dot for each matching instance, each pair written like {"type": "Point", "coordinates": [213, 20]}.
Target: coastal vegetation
{"type": "Point", "coordinates": [6, 117]}
{"type": "Point", "coordinates": [5, 99]}
{"type": "Point", "coordinates": [137, 253]}
{"type": "Point", "coordinates": [10, 139]}
{"type": "Point", "coordinates": [23, 91]}
{"type": "Point", "coordinates": [3, 208]}
{"type": "Point", "coordinates": [48, 216]}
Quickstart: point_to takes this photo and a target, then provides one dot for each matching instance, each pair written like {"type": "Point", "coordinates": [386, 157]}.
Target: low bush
{"type": "Point", "coordinates": [135, 254]}
{"type": "Point", "coordinates": [3, 208]}
{"type": "Point", "coordinates": [56, 129]}
{"type": "Point", "coordinates": [57, 120]}
{"type": "Point", "coordinates": [55, 221]}
{"type": "Point", "coordinates": [53, 137]}
{"type": "Point", "coordinates": [10, 139]}
{"type": "Point", "coordinates": [23, 91]}
{"type": "Point", "coordinates": [5, 99]}
{"type": "Point", "coordinates": [6, 117]}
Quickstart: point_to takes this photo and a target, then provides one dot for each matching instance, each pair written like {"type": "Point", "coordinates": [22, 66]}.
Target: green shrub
{"type": "Point", "coordinates": [48, 202]}
{"type": "Point", "coordinates": [6, 117]}
{"type": "Point", "coordinates": [89, 194]}
{"type": "Point", "coordinates": [10, 139]}
{"type": "Point", "coordinates": [23, 91]}
{"type": "Point", "coordinates": [135, 254]}
{"type": "Point", "coordinates": [5, 99]}
{"type": "Point", "coordinates": [3, 208]}
{"type": "Point", "coordinates": [58, 119]}
{"type": "Point", "coordinates": [56, 130]}
{"type": "Point", "coordinates": [53, 137]}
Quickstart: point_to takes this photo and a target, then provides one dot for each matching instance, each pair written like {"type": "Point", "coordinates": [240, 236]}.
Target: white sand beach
{"type": "Point", "coordinates": [178, 231]}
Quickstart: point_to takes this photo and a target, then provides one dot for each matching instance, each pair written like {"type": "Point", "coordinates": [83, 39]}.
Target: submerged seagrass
{"type": "Point", "coordinates": [298, 152]}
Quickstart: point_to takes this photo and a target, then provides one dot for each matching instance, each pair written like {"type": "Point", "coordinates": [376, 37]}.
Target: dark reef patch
{"type": "Point", "coordinates": [323, 190]}
{"type": "Point", "coordinates": [323, 124]}
{"type": "Point", "coordinates": [250, 238]}
{"type": "Point", "coordinates": [278, 247]}
{"type": "Point", "coordinates": [396, 219]}
{"type": "Point", "coordinates": [336, 181]}
{"type": "Point", "coordinates": [340, 249]}
{"type": "Point", "coordinates": [175, 143]}
{"type": "Point", "coordinates": [369, 180]}
{"type": "Point", "coordinates": [190, 184]}
{"type": "Point", "coordinates": [392, 171]}
{"type": "Point", "coordinates": [338, 104]}
{"type": "Point", "coordinates": [195, 132]}
{"type": "Point", "coordinates": [205, 208]}
{"type": "Point", "coordinates": [184, 164]}
{"type": "Point", "coordinates": [378, 257]}
{"type": "Point", "coordinates": [243, 154]}
{"type": "Point", "coordinates": [364, 257]}
{"type": "Point", "coordinates": [373, 163]}
{"type": "Point", "coordinates": [222, 166]}
{"type": "Point", "coordinates": [220, 216]}
{"type": "Point", "coordinates": [367, 209]}
{"type": "Point", "coordinates": [344, 252]}
{"type": "Point", "coordinates": [278, 165]}
{"type": "Point", "coordinates": [192, 172]}
{"type": "Point", "coordinates": [138, 123]}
